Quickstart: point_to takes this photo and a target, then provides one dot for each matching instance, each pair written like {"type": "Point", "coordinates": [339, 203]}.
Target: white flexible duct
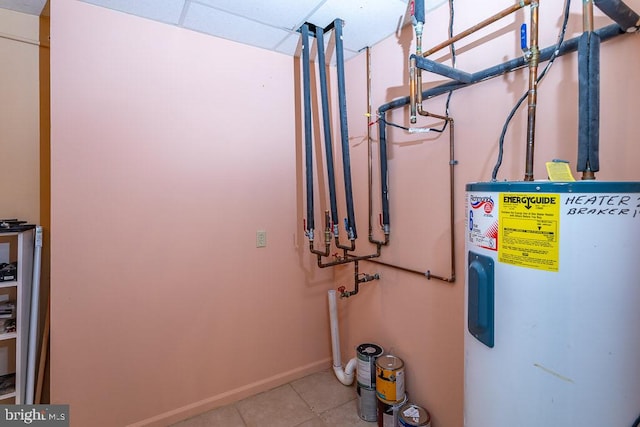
{"type": "Point", "coordinates": [344, 376]}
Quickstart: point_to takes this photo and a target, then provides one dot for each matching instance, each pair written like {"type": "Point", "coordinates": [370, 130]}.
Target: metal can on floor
{"type": "Point", "coordinates": [367, 403]}
{"type": "Point", "coordinates": [412, 415]}
{"type": "Point", "coordinates": [390, 378]}
{"type": "Point", "coordinates": [388, 412]}
{"type": "Point", "coordinates": [367, 354]}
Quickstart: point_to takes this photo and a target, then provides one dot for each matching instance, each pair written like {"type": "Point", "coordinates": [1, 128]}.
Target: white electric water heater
{"type": "Point", "coordinates": [552, 304]}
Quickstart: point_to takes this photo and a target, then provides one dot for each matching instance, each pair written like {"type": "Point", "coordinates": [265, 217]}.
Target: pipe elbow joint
{"type": "Point", "coordinates": [346, 375]}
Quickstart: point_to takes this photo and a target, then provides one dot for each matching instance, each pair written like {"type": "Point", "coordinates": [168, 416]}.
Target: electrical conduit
{"type": "Point", "coordinates": [346, 375]}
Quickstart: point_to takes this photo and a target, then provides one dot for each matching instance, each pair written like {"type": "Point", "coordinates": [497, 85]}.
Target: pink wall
{"type": "Point", "coordinates": [420, 320]}
{"type": "Point", "coordinates": [169, 150]}
{"type": "Point", "coordinates": [19, 117]}
{"type": "Point", "coordinates": [168, 154]}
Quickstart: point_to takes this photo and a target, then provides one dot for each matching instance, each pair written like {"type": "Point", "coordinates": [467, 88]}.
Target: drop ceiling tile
{"type": "Point", "coordinates": [430, 5]}
{"type": "Point", "coordinates": [225, 25]}
{"type": "Point", "coordinates": [292, 46]}
{"type": "Point", "coordinates": [278, 13]}
{"type": "Point", "coordinates": [167, 11]}
{"type": "Point", "coordinates": [31, 7]}
{"type": "Point", "coordinates": [366, 21]}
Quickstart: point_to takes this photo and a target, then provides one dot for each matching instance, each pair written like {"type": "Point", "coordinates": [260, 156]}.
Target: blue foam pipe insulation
{"type": "Point", "coordinates": [588, 102]}
{"type": "Point", "coordinates": [441, 69]}
{"type": "Point", "coordinates": [308, 146]}
{"type": "Point", "coordinates": [350, 223]}
{"type": "Point", "coordinates": [418, 10]}
{"type": "Point", "coordinates": [328, 147]}
{"type": "Point", "coordinates": [384, 179]}
{"type": "Point", "coordinates": [571, 45]}
{"type": "Point", "coordinates": [620, 13]}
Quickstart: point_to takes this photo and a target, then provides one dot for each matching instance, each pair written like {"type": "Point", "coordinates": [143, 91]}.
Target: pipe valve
{"type": "Point", "coordinates": [368, 278]}
{"type": "Point", "coordinates": [343, 292]}
{"type": "Point", "coordinates": [308, 232]}
{"type": "Point", "coordinates": [523, 43]}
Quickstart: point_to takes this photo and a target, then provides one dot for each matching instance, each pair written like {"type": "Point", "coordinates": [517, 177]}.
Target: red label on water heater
{"type": "Point", "coordinates": [482, 220]}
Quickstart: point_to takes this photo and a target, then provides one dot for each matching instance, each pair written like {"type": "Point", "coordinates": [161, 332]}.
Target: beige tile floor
{"type": "Point", "coordinates": [318, 400]}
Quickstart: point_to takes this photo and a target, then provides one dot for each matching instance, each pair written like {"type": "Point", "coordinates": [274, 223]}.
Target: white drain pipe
{"type": "Point", "coordinates": [344, 376]}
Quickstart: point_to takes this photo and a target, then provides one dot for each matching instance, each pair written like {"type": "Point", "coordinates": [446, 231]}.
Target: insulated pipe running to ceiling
{"type": "Point", "coordinates": [328, 146]}
{"type": "Point", "coordinates": [370, 160]}
{"type": "Point", "coordinates": [588, 96]}
{"type": "Point", "coordinates": [346, 257]}
{"type": "Point", "coordinates": [384, 172]}
{"type": "Point", "coordinates": [308, 142]}
{"type": "Point", "coordinates": [350, 223]}
{"type": "Point", "coordinates": [418, 11]}
{"type": "Point", "coordinates": [618, 11]}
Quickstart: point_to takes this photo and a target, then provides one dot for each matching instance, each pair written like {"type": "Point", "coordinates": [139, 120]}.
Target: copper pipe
{"type": "Point", "coordinates": [491, 20]}
{"type": "Point", "coordinates": [533, 92]}
{"type": "Point", "coordinates": [435, 116]}
{"type": "Point", "coordinates": [413, 87]}
{"type": "Point", "coordinates": [347, 258]}
{"type": "Point", "coordinates": [397, 267]}
{"type": "Point", "coordinates": [356, 281]}
{"type": "Point", "coordinates": [587, 26]}
{"type": "Point", "coordinates": [452, 237]}
{"type": "Point", "coordinates": [587, 15]}
{"type": "Point", "coordinates": [452, 229]}
{"type": "Point", "coordinates": [327, 238]}
{"type": "Point", "coordinates": [369, 151]}
{"type": "Point", "coordinates": [350, 247]}
{"type": "Point", "coordinates": [418, 87]}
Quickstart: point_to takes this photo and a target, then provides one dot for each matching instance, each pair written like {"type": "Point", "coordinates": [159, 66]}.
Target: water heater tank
{"type": "Point", "coordinates": [552, 304]}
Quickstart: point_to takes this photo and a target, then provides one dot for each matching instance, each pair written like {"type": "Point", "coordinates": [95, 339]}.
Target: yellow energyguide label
{"type": "Point", "coordinates": [528, 227]}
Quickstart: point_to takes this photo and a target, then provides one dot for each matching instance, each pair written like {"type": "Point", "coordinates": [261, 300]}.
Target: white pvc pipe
{"type": "Point", "coordinates": [344, 376]}
{"type": "Point", "coordinates": [33, 322]}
